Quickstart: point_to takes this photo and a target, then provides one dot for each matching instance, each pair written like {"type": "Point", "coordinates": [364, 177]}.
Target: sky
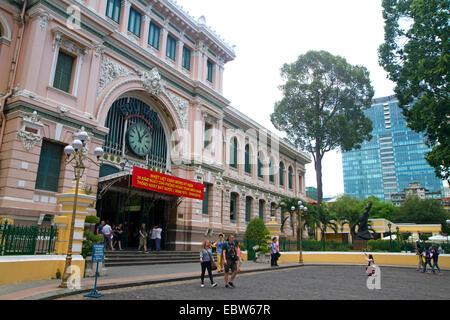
{"type": "Point", "coordinates": [268, 34]}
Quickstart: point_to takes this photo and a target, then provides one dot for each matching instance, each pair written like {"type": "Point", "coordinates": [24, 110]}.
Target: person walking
{"type": "Point", "coordinates": [118, 236]}
{"type": "Point", "coordinates": [230, 259]}
{"type": "Point", "coordinates": [158, 231]}
{"type": "Point", "coordinates": [427, 255]}
{"type": "Point", "coordinates": [107, 232]}
{"type": "Point", "coordinates": [370, 268]}
{"type": "Point", "coordinates": [419, 253]}
{"type": "Point", "coordinates": [206, 259]}
{"type": "Point", "coordinates": [142, 238]}
{"type": "Point", "coordinates": [219, 250]}
{"type": "Point", "coordinates": [239, 254]}
{"type": "Point", "coordinates": [435, 253]}
{"type": "Point", "coordinates": [99, 229]}
{"type": "Point", "coordinates": [153, 238]}
{"type": "Point", "coordinates": [274, 252]}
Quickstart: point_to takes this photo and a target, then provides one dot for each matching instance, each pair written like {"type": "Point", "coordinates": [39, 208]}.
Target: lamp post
{"type": "Point", "coordinates": [76, 154]}
{"type": "Point", "coordinates": [390, 236]}
{"type": "Point", "coordinates": [398, 236]}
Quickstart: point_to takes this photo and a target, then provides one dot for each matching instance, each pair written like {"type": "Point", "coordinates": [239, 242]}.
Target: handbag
{"type": "Point", "coordinates": [213, 264]}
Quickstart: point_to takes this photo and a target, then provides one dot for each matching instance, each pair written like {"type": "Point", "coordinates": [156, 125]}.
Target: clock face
{"type": "Point", "coordinates": [139, 139]}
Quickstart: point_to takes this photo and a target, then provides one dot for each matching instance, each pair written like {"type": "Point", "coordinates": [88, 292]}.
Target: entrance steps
{"type": "Point", "coordinates": [118, 258]}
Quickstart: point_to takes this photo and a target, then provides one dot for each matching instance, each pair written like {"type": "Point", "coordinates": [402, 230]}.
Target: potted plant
{"type": "Point", "coordinates": [90, 222]}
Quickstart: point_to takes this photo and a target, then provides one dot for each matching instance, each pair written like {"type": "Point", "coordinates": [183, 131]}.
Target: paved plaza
{"type": "Point", "coordinates": [308, 282]}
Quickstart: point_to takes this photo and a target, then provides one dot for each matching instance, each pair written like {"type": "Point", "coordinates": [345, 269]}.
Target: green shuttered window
{"type": "Point", "coordinates": [248, 167]}
{"type": "Point", "coordinates": [171, 47]}
{"type": "Point", "coordinates": [233, 153]}
{"type": "Point", "coordinates": [261, 210]}
{"type": "Point", "coordinates": [63, 72]}
{"type": "Point", "coordinates": [134, 23]}
{"type": "Point", "coordinates": [186, 58]}
{"type": "Point", "coordinates": [49, 166]}
{"type": "Point", "coordinates": [248, 208]}
{"type": "Point", "coordinates": [210, 71]}
{"type": "Point", "coordinates": [205, 200]}
{"type": "Point", "coordinates": [113, 10]}
{"type": "Point", "coordinates": [233, 205]}
{"type": "Point", "coordinates": [153, 35]}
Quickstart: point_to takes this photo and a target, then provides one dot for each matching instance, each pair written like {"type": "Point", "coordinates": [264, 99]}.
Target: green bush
{"type": "Point", "coordinates": [314, 245]}
{"type": "Point", "coordinates": [92, 219]}
{"type": "Point", "coordinates": [89, 240]}
{"type": "Point", "coordinates": [258, 233]}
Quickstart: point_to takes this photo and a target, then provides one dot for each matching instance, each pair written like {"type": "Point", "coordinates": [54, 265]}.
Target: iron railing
{"type": "Point", "coordinates": [26, 240]}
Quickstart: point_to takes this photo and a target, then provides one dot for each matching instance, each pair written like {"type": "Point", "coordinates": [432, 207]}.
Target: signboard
{"type": "Point", "coordinates": [98, 253]}
{"type": "Point", "coordinates": [159, 182]}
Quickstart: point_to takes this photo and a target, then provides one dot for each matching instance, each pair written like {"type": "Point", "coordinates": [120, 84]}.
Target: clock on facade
{"type": "Point", "coordinates": [139, 139]}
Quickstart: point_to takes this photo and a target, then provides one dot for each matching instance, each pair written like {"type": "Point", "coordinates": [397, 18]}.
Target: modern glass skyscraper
{"type": "Point", "coordinates": [390, 161]}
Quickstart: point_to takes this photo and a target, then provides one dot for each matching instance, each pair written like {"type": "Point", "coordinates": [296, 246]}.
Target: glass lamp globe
{"type": "Point", "coordinates": [98, 152]}
{"type": "Point", "coordinates": [77, 144]}
{"type": "Point", "coordinates": [299, 203]}
{"type": "Point", "coordinates": [69, 150]}
{"type": "Point", "coordinates": [305, 209]}
{"type": "Point", "coordinates": [292, 208]}
{"type": "Point", "coordinates": [82, 136]}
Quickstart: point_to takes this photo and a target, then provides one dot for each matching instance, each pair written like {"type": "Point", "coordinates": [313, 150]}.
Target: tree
{"type": "Point", "coordinates": [325, 220]}
{"type": "Point", "coordinates": [416, 55]}
{"type": "Point", "coordinates": [285, 205]}
{"type": "Point", "coordinates": [348, 210]}
{"type": "Point", "coordinates": [380, 209]}
{"type": "Point", "coordinates": [323, 106]}
{"type": "Point", "coordinates": [416, 210]}
{"type": "Point", "coordinates": [258, 232]}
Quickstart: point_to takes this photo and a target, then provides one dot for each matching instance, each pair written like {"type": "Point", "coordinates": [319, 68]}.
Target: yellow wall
{"type": "Point", "coordinates": [408, 259]}
{"type": "Point", "coordinates": [31, 269]}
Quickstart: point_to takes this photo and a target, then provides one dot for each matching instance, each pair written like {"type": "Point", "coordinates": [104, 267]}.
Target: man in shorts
{"type": "Point", "coordinates": [230, 259]}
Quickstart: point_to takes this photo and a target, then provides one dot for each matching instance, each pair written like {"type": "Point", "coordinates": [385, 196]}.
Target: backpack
{"type": "Point", "coordinates": [231, 252]}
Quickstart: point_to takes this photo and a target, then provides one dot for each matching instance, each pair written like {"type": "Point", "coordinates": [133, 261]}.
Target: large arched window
{"type": "Point", "coordinates": [136, 131]}
{"type": "Point", "coordinates": [261, 209]}
{"type": "Point", "coordinates": [248, 167]}
{"type": "Point", "coordinates": [290, 177]}
{"type": "Point", "coordinates": [260, 165]}
{"type": "Point", "coordinates": [281, 174]}
{"type": "Point", "coordinates": [248, 208]}
{"type": "Point", "coordinates": [271, 172]}
{"type": "Point", "coordinates": [233, 207]}
{"type": "Point", "coordinates": [233, 153]}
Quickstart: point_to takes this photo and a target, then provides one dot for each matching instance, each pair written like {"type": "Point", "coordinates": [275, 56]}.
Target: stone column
{"type": "Point", "coordinates": [179, 54]}
{"type": "Point", "coordinates": [125, 16]}
{"type": "Point", "coordinates": [216, 77]}
{"type": "Point", "coordinates": [145, 28]}
{"type": "Point", "coordinates": [163, 41]}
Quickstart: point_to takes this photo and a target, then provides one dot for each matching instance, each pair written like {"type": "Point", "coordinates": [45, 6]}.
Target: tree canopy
{"type": "Point", "coordinates": [416, 55]}
{"type": "Point", "coordinates": [323, 106]}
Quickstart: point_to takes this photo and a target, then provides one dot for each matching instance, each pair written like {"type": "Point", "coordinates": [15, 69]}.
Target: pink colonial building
{"type": "Point", "coordinates": [145, 80]}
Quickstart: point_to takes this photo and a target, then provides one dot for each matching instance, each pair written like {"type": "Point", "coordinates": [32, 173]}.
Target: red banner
{"type": "Point", "coordinates": [159, 182]}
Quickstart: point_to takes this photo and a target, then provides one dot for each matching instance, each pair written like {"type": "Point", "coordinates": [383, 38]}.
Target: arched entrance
{"type": "Point", "coordinates": [138, 136]}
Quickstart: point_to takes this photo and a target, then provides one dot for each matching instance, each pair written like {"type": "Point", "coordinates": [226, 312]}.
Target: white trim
{"type": "Point", "coordinates": [184, 242]}
{"type": "Point", "coordinates": [21, 218]}
{"type": "Point", "coordinates": [38, 258]}
{"type": "Point", "coordinates": [356, 253]}
{"type": "Point", "coordinates": [5, 24]}
{"type": "Point", "coordinates": [16, 199]}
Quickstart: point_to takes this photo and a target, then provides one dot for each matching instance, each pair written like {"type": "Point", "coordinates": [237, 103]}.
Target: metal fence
{"type": "Point", "coordinates": [26, 240]}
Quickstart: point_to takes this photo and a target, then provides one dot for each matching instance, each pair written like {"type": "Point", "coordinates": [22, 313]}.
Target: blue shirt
{"type": "Point", "coordinates": [100, 229]}
{"type": "Point", "coordinates": [220, 247]}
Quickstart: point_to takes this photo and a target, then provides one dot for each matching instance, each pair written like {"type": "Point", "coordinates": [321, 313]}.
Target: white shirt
{"type": "Point", "coordinates": [106, 230]}
{"type": "Point", "coordinates": [157, 233]}
{"type": "Point", "coordinates": [153, 234]}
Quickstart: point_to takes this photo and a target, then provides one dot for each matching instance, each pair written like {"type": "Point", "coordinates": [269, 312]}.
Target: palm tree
{"type": "Point", "coordinates": [285, 205]}
{"type": "Point", "coordinates": [325, 220]}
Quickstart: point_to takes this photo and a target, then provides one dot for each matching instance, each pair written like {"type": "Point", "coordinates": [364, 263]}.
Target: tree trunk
{"type": "Point", "coordinates": [318, 166]}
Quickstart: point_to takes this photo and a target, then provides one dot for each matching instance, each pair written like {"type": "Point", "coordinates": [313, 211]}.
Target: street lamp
{"type": "Point", "coordinates": [390, 236]}
{"type": "Point", "coordinates": [300, 209]}
{"type": "Point", "coordinates": [398, 236]}
{"type": "Point", "coordinates": [76, 154]}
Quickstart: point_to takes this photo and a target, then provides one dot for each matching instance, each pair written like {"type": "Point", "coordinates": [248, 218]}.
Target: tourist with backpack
{"type": "Point", "coordinates": [427, 256]}
{"type": "Point", "coordinates": [219, 250]}
{"type": "Point", "coordinates": [274, 252]}
{"type": "Point", "coordinates": [230, 259]}
{"type": "Point", "coordinates": [419, 253]}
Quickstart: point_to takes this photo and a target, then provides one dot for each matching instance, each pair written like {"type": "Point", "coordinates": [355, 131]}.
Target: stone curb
{"type": "Point", "coordinates": [148, 282]}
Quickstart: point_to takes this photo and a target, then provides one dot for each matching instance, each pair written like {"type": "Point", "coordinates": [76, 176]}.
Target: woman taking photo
{"type": "Point", "coordinates": [206, 261]}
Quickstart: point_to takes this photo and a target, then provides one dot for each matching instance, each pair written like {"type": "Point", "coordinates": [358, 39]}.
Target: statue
{"type": "Point", "coordinates": [363, 229]}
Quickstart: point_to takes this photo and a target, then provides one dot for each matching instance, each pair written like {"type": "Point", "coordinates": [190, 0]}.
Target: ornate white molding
{"type": "Point", "coordinates": [151, 80]}
{"type": "Point", "coordinates": [30, 133]}
{"type": "Point", "coordinates": [111, 70]}
{"type": "Point", "coordinates": [181, 106]}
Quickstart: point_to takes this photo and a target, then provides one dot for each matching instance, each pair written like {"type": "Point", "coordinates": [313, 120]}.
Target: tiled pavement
{"type": "Point", "coordinates": [116, 277]}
